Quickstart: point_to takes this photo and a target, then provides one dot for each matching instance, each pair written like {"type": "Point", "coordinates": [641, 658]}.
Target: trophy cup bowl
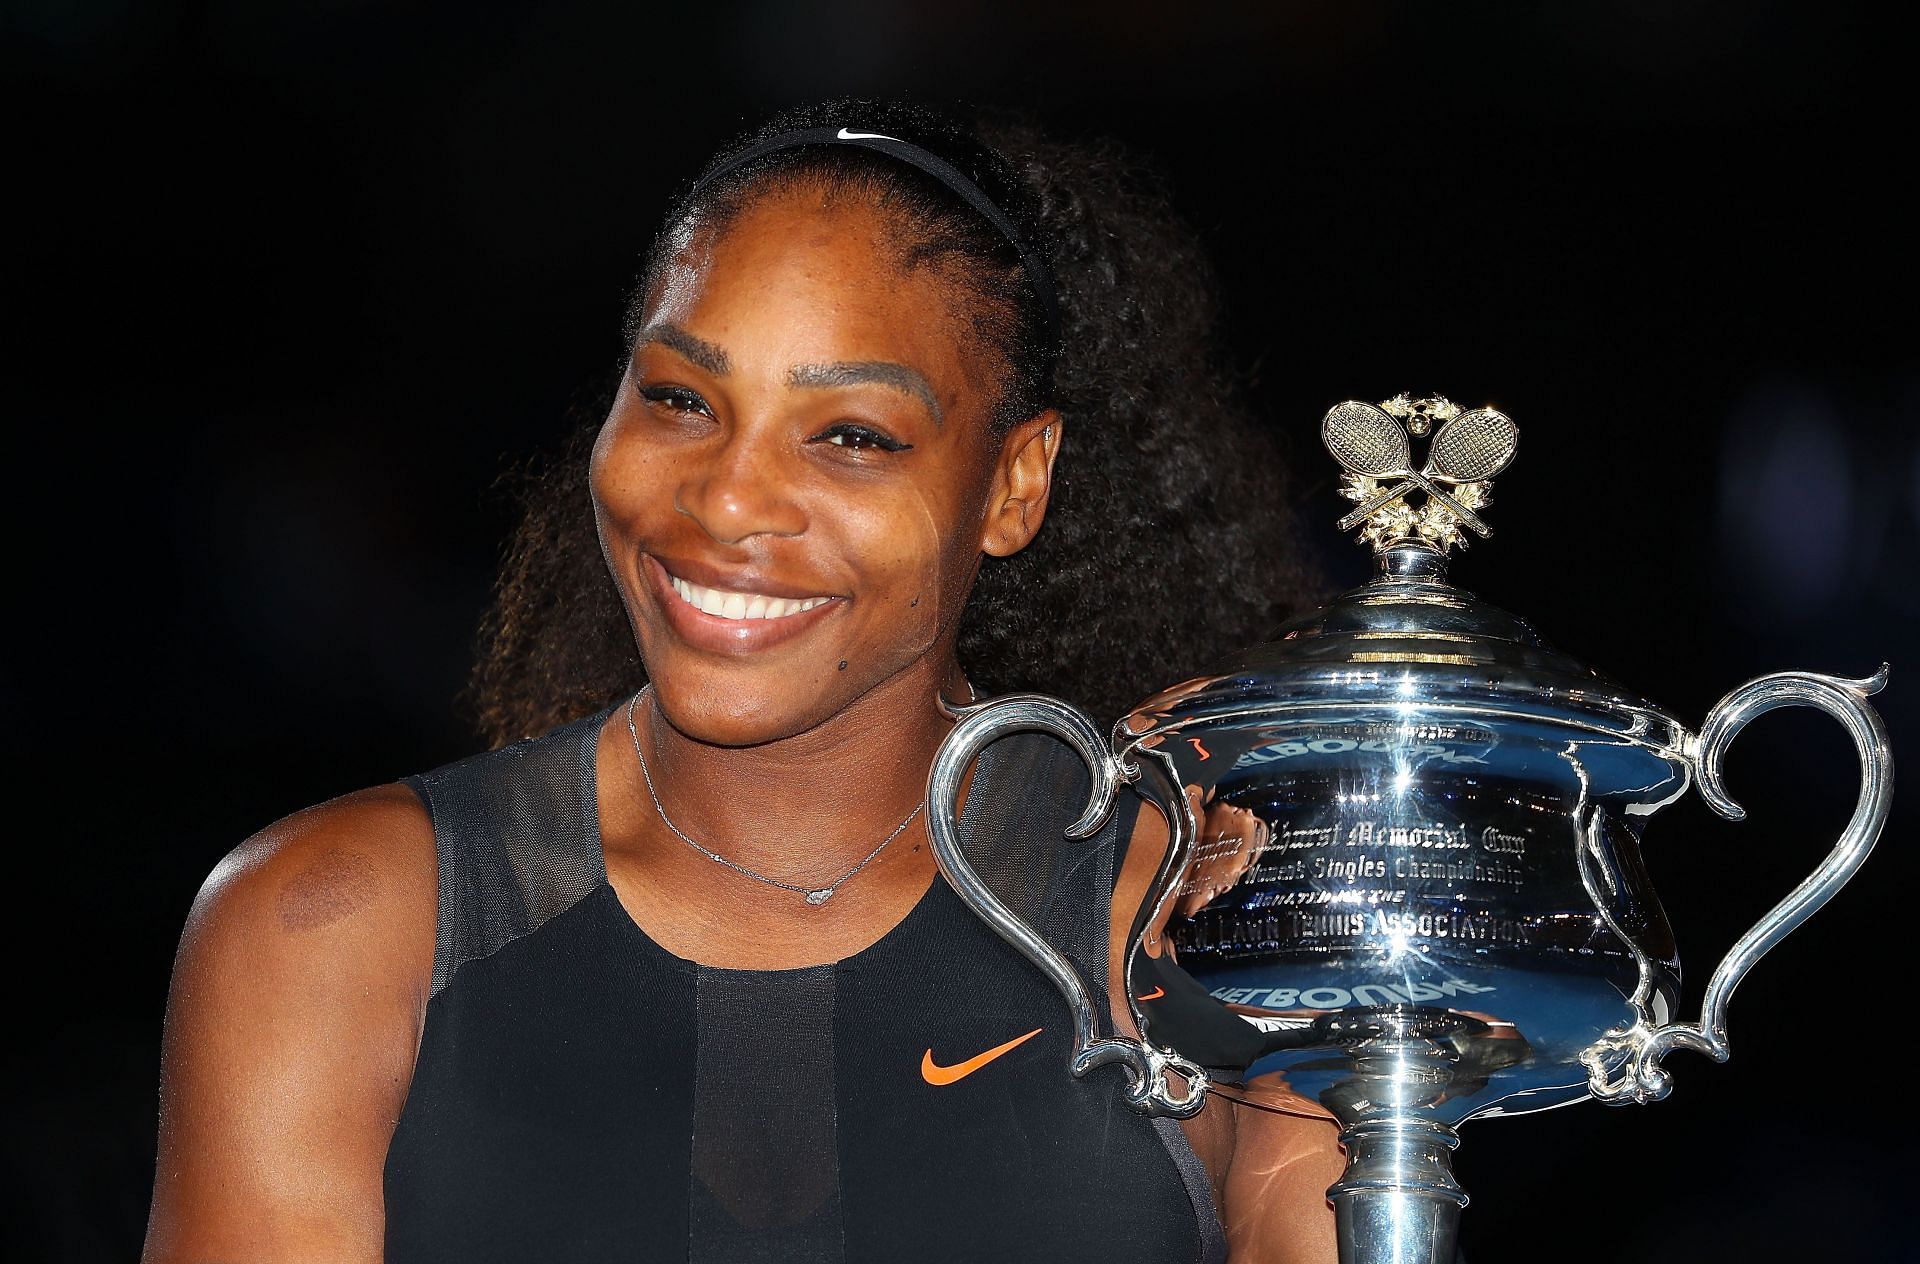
{"type": "Point", "coordinates": [1404, 848]}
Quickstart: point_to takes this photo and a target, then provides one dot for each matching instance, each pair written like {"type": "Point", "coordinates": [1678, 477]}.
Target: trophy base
{"type": "Point", "coordinates": [1398, 1202]}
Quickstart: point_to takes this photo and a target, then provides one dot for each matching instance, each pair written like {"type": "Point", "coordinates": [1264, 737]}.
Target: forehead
{"type": "Point", "coordinates": [799, 275]}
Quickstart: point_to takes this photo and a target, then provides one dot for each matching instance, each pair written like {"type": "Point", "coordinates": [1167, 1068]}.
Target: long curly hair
{"type": "Point", "coordinates": [1168, 539]}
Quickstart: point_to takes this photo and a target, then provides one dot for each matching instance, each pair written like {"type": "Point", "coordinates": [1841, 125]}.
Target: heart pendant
{"type": "Point", "coordinates": [820, 896]}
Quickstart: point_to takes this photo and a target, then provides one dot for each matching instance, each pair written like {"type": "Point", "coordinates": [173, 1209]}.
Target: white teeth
{"type": "Point", "coordinates": [735, 605]}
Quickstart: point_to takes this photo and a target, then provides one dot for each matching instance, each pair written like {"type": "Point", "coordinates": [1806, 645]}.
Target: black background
{"type": "Point", "coordinates": [296, 282]}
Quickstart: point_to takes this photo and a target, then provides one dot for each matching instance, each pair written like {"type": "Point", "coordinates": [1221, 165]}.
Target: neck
{"type": "Point", "coordinates": [804, 808]}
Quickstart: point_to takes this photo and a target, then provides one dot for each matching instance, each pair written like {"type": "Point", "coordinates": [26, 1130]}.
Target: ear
{"type": "Point", "coordinates": [1022, 481]}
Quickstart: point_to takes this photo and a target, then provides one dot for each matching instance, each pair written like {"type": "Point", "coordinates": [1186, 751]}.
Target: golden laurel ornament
{"type": "Point", "coordinates": [1373, 443]}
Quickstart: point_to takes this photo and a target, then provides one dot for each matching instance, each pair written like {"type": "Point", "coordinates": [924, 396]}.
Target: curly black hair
{"type": "Point", "coordinates": [1169, 535]}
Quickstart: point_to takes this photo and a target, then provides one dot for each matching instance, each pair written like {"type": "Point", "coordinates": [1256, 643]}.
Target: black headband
{"type": "Point", "coordinates": [1039, 275]}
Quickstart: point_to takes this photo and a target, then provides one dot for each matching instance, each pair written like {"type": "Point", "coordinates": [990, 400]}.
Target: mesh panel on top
{"type": "Point", "coordinates": [515, 845]}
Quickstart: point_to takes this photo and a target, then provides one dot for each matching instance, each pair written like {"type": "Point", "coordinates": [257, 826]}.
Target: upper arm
{"type": "Point", "coordinates": [292, 1024]}
{"type": "Point", "coordinates": [1270, 1171]}
{"type": "Point", "coordinates": [1276, 1209]}
{"type": "Point", "coordinates": [1210, 1133]}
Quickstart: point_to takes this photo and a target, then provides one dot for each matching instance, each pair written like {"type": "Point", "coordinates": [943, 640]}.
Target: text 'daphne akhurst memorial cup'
{"type": "Point", "coordinates": [1405, 849]}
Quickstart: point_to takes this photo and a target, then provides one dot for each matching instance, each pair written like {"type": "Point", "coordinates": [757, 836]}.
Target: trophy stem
{"type": "Point", "coordinates": [1411, 562]}
{"type": "Point", "coordinates": [1398, 1202]}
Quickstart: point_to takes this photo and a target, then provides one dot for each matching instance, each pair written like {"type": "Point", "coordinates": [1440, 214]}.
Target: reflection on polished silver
{"type": "Point", "coordinates": [1149, 1089]}
{"type": "Point", "coordinates": [1637, 1077]}
{"type": "Point", "coordinates": [1420, 880]}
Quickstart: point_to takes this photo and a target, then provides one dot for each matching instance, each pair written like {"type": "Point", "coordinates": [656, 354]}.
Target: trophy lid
{"type": "Point", "coordinates": [1408, 638]}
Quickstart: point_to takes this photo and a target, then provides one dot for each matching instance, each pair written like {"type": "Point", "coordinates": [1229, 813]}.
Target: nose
{"type": "Point", "coordinates": [740, 489]}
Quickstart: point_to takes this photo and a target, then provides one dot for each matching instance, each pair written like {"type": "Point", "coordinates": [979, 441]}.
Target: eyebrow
{"type": "Point", "coordinates": [865, 372]}
{"type": "Point", "coordinates": [698, 351]}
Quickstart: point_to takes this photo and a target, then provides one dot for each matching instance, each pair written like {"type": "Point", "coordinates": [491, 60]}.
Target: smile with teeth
{"type": "Point", "coordinates": [738, 605]}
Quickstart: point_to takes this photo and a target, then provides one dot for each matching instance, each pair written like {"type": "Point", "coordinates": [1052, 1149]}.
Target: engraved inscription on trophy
{"type": "Point", "coordinates": [1386, 867]}
{"type": "Point", "coordinates": [1405, 849]}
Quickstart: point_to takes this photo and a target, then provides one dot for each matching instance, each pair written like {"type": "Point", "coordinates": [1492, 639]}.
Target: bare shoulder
{"type": "Point", "coordinates": [347, 888]}
{"type": "Point", "coordinates": [355, 866]}
{"type": "Point", "coordinates": [292, 1024]}
{"type": "Point", "coordinates": [331, 908]}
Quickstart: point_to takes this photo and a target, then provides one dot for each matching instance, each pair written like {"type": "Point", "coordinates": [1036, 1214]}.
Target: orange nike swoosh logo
{"type": "Point", "coordinates": [1154, 995]}
{"type": "Point", "coordinates": [933, 1073]}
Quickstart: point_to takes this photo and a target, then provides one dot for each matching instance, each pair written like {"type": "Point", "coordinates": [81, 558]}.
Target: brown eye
{"type": "Point", "coordinates": [677, 398]}
{"type": "Point", "coordinates": [846, 435]}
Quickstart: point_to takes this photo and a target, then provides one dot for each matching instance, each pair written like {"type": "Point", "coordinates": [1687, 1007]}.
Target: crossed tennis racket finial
{"type": "Point", "coordinates": [1371, 442]}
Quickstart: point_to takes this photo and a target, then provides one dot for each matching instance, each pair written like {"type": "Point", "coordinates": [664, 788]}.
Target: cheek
{"type": "Point", "coordinates": [621, 477]}
{"type": "Point", "coordinates": [624, 483]}
{"type": "Point", "coordinates": [603, 467]}
{"type": "Point", "coordinates": [930, 552]}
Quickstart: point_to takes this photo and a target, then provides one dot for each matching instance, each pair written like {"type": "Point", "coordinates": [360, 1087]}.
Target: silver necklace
{"type": "Point", "coordinates": [814, 895]}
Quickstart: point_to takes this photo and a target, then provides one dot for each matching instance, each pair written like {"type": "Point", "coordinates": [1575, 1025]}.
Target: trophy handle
{"type": "Point", "coordinates": [1148, 1088]}
{"type": "Point", "coordinates": [1643, 1080]}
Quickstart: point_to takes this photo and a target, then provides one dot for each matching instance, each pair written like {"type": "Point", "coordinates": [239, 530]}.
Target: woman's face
{"type": "Point", "coordinates": [797, 479]}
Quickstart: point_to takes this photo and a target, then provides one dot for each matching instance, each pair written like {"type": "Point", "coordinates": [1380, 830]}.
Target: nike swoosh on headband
{"type": "Point", "coordinates": [1032, 259]}
{"type": "Point", "coordinates": [935, 1074]}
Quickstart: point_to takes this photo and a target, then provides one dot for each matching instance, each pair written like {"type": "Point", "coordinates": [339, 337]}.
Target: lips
{"type": "Point", "coordinates": [732, 612]}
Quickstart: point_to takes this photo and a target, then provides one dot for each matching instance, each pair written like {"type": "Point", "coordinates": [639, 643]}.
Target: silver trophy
{"type": "Point", "coordinates": [1405, 848]}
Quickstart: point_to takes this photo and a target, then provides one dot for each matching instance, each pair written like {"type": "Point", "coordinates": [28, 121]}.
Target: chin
{"type": "Point", "coordinates": [738, 705]}
{"type": "Point", "coordinates": [721, 709]}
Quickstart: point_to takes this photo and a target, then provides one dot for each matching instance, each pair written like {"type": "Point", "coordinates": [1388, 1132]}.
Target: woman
{"type": "Point", "coordinates": [676, 978]}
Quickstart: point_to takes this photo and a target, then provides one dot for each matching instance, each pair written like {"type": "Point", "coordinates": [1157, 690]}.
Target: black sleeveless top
{"type": "Point", "coordinates": [581, 1094]}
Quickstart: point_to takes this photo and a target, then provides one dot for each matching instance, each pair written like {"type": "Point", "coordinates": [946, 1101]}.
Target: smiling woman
{"type": "Point", "coordinates": [670, 974]}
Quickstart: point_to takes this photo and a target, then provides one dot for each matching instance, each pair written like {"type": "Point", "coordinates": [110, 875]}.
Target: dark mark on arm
{"type": "Point", "coordinates": [335, 884]}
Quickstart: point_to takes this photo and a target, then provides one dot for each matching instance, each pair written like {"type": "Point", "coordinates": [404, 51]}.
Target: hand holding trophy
{"type": "Point", "coordinates": [1433, 907]}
